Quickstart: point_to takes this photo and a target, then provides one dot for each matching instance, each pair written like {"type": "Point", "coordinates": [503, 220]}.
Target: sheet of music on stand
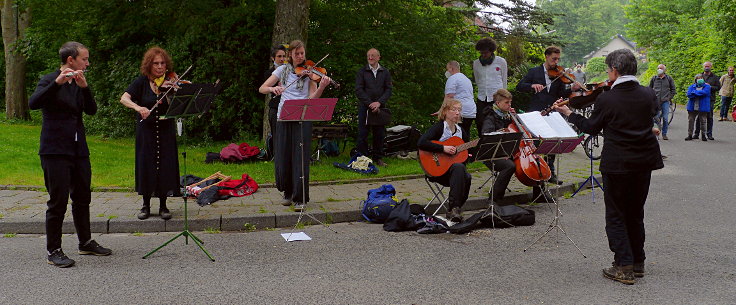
{"type": "Point", "coordinates": [551, 126]}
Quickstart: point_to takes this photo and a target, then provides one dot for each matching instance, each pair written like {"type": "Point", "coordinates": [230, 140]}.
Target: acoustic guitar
{"type": "Point", "coordinates": [437, 164]}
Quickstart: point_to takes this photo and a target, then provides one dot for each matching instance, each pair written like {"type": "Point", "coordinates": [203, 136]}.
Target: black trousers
{"type": "Point", "coordinates": [480, 106]}
{"type": "Point", "coordinates": [288, 159]}
{"type": "Point", "coordinates": [506, 169]}
{"type": "Point", "coordinates": [458, 179]}
{"type": "Point", "coordinates": [624, 196]}
{"type": "Point", "coordinates": [466, 124]}
{"type": "Point", "coordinates": [66, 176]}
{"type": "Point", "coordinates": [379, 133]}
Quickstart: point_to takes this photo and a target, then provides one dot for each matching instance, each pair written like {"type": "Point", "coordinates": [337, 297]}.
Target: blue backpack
{"type": "Point", "coordinates": [379, 204]}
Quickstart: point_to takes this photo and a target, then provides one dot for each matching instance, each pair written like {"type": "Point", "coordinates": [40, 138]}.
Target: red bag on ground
{"type": "Point", "coordinates": [238, 188]}
{"type": "Point", "coordinates": [248, 151]}
{"type": "Point", "coordinates": [733, 113]}
{"type": "Point", "coordinates": [231, 152]}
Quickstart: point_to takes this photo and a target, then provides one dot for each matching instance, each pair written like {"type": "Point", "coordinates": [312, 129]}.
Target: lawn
{"type": "Point", "coordinates": [113, 161]}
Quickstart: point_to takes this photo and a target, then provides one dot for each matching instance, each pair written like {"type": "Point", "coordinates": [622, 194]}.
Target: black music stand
{"type": "Point", "coordinates": [189, 100]}
{"type": "Point", "coordinates": [306, 110]}
{"type": "Point", "coordinates": [593, 181]}
{"type": "Point", "coordinates": [556, 146]}
{"type": "Point", "coordinates": [496, 146]}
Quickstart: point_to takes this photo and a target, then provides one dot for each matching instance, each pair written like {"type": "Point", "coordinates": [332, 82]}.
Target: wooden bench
{"type": "Point", "coordinates": [329, 132]}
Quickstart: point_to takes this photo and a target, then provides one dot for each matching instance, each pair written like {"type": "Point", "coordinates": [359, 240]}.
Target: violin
{"type": "Point", "coordinates": [583, 98]}
{"type": "Point", "coordinates": [317, 73]}
{"type": "Point", "coordinates": [530, 168]}
{"type": "Point", "coordinates": [174, 79]}
{"type": "Point", "coordinates": [559, 72]}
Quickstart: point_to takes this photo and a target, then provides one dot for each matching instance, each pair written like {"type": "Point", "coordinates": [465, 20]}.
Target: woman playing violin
{"type": "Point", "coordinates": [156, 154]}
{"type": "Point", "coordinates": [288, 157]}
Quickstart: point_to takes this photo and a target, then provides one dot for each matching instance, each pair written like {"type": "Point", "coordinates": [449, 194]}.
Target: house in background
{"type": "Point", "coordinates": [616, 42]}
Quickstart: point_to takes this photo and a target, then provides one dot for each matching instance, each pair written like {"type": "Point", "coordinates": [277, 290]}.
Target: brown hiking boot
{"type": "Point", "coordinates": [623, 274]}
{"type": "Point", "coordinates": [639, 269]}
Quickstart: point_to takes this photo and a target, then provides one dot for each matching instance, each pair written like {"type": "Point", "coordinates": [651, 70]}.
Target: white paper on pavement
{"type": "Point", "coordinates": [296, 236]}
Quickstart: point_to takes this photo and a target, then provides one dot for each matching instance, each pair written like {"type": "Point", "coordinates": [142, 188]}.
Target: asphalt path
{"type": "Point", "coordinates": [690, 250]}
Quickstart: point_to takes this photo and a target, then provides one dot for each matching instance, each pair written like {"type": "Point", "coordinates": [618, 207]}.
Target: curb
{"type": "Point", "coordinates": [238, 223]}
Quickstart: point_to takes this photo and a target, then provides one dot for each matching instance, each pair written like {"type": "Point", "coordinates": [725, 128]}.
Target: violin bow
{"type": "Point", "coordinates": [310, 69]}
{"type": "Point", "coordinates": [167, 91]}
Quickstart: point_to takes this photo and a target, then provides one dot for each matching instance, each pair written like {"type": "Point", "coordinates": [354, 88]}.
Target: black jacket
{"type": "Point", "coordinates": [493, 121]}
{"type": "Point", "coordinates": [434, 133]}
{"type": "Point", "coordinates": [625, 114]}
{"type": "Point", "coordinates": [62, 132]}
{"type": "Point", "coordinates": [543, 99]}
{"type": "Point", "coordinates": [369, 88]}
{"type": "Point", "coordinates": [715, 85]}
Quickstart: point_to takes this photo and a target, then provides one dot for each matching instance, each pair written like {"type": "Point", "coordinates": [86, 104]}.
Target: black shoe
{"type": "Point", "coordinates": [704, 138]}
{"type": "Point", "coordinates": [164, 213]}
{"type": "Point", "coordinates": [145, 212]}
{"type": "Point", "coordinates": [688, 138]}
{"type": "Point", "coordinates": [554, 180]}
{"type": "Point", "coordinates": [455, 215]}
{"type": "Point", "coordinates": [59, 259]}
{"type": "Point", "coordinates": [381, 163]}
{"type": "Point", "coordinates": [711, 138]}
{"type": "Point", "coordinates": [622, 274]}
{"type": "Point", "coordinates": [93, 248]}
{"type": "Point", "coordinates": [638, 269]}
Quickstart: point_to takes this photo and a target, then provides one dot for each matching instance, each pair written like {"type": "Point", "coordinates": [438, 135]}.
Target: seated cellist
{"type": "Point", "coordinates": [457, 177]}
{"type": "Point", "coordinates": [498, 118]}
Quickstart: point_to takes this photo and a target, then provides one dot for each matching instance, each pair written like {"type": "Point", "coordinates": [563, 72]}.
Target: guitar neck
{"type": "Point", "coordinates": [466, 146]}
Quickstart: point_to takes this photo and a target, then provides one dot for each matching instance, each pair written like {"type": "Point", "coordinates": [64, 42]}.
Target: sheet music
{"type": "Point", "coordinates": [552, 126]}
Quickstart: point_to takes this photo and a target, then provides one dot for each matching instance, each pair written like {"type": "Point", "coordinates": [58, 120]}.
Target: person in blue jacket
{"type": "Point", "coordinates": [698, 106]}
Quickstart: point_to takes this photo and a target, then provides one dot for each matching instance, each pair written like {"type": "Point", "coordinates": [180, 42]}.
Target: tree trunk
{"type": "Point", "coordinates": [290, 24]}
{"type": "Point", "coordinates": [14, 24]}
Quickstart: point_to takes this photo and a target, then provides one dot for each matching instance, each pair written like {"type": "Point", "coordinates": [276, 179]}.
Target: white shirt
{"type": "Point", "coordinates": [462, 87]}
{"type": "Point", "coordinates": [490, 78]}
{"type": "Point", "coordinates": [375, 71]}
{"type": "Point", "coordinates": [293, 92]}
{"type": "Point", "coordinates": [447, 133]}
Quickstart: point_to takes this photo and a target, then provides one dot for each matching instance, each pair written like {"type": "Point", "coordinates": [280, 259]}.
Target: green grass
{"type": "Point", "coordinates": [249, 227]}
{"type": "Point", "coordinates": [137, 233]}
{"type": "Point", "coordinates": [10, 235]}
{"type": "Point", "coordinates": [212, 231]}
{"type": "Point", "coordinates": [113, 161]}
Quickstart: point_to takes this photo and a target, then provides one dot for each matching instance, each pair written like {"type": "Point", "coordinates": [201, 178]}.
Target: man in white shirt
{"type": "Point", "coordinates": [460, 87]}
{"type": "Point", "coordinates": [490, 73]}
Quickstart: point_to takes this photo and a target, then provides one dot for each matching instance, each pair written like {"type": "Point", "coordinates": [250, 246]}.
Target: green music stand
{"type": "Point", "coordinates": [190, 100]}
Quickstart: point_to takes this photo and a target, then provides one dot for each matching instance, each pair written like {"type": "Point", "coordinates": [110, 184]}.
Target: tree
{"type": "Point", "coordinates": [15, 19]}
{"type": "Point", "coordinates": [290, 24]}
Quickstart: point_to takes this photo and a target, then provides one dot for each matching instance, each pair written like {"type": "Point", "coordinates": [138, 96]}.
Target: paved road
{"type": "Point", "coordinates": [690, 249]}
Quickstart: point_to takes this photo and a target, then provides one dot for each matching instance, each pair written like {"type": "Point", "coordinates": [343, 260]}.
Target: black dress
{"type": "Point", "coordinates": [156, 154]}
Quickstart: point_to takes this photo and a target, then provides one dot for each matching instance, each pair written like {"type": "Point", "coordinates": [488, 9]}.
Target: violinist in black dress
{"type": "Point", "coordinates": [156, 154]}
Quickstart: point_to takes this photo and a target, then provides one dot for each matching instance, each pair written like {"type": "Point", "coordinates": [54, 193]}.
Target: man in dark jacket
{"type": "Point", "coordinates": [715, 86]}
{"type": "Point", "coordinates": [62, 96]}
{"type": "Point", "coordinates": [546, 90]}
{"type": "Point", "coordinates": [630, 154]}
{"type": "Point", "coordinates": [373, 89]}
{"type": "Point", "coordinates": [498, 117]}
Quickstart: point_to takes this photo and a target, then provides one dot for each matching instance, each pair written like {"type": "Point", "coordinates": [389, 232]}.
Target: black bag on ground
{"type": "Point", "coordinates": [467, 225]}
{"type": "Point", "coordinates": [509, 215]}
{"type": "Point", "coordinates": [402, 217]}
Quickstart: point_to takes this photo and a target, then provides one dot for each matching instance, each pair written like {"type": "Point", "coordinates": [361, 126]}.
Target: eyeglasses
{"type": "Point", "coordinates": [458, 109]}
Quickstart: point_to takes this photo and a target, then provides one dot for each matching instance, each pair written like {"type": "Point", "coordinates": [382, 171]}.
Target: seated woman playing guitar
{"type": "Point", "coordinates": [456, 177]}
{"type": "Point", "coordinates": [498, 118]}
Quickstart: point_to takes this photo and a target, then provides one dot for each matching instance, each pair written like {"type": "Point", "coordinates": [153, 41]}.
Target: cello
{"type": "Point", "coordinates": [530, 168]}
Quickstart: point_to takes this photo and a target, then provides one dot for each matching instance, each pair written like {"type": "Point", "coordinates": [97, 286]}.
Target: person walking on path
{"type": "Point", "coordinates": [630, 154]}
{"type": "Point", "coordinates": [63, 97]}
{"type": "Point", "coordinates": [726, 93]}
{"type": "Point", "coordinates": [664, 88]}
